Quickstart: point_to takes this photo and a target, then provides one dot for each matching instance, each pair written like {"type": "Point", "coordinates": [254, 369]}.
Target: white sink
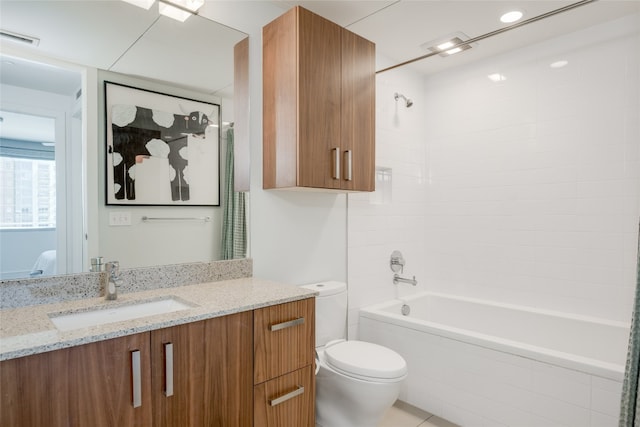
{"type": "Point", "coordinates": [105, 314]}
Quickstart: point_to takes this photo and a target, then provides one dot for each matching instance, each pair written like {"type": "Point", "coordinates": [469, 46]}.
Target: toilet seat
{"type": "Point", "coordinates": [366, 361]}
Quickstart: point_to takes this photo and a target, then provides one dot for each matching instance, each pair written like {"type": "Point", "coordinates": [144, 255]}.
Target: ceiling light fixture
{"type": "Point", "coordinates": [497, 77]}
{"type": "Point", "coordinates": [559, 64]}
{"type": "Point", "coordinates": [512, 16]}
{"type": "Point", "coordinates": [180, 10]}
{"type": "Point", "coordinates": [448, 45]}
{"type": "Point", "coordinates": [145, 4]}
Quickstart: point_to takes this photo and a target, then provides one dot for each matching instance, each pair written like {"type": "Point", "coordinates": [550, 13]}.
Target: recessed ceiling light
{"type": "Point", "coordinates": [497, 77]}
{"type": "Point", "coordinates": [511, 16]}
{"type": "Point", "coordinates": [559, 64]}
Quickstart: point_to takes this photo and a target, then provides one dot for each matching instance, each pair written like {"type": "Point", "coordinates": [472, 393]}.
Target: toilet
{"type": "Point", "coordinates": [356, 381]}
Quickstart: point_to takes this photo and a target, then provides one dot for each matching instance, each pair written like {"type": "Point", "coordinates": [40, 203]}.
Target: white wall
{"type": "Point", "coordinates": [19, 250]}
{"type": "Point", "coordinates": [525, 191]}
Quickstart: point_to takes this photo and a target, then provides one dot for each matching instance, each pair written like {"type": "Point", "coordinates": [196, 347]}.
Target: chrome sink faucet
{"type": "Point", "coordinates": [113, 282]}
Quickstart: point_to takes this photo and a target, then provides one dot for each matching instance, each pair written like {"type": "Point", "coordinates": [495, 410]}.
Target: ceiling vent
{"type": "Point", "coordinates": [19, 38]}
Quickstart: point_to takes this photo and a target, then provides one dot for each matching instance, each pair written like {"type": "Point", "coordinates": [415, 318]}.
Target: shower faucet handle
{"type": "Point", "coordinates": [397, 262]}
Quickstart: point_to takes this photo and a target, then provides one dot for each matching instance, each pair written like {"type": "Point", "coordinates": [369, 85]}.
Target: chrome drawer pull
{"type": "Point", "coordinates": [336, 163]}
{"type": "Point", "coordinates": [168, 369]}
{"type": "Point", "coordinates": [137, 379]}
{"type": "Point", "coordinates": [285, 397]}
{"type": "Point", "coordinates": [289, 324]}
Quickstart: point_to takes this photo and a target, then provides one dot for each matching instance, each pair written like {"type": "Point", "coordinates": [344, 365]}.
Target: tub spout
{"type": "Point", "coordinates": [397, 279]}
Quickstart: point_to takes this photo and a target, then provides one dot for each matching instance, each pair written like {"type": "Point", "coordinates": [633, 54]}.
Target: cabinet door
{"type": "Point", "coordinates": [319, 99]}
{"type": "Point", "coordinates": [288, 400]}
{"type": "Point", "coordinates": [89, 385]}
{"type": "Point", "coordinates": [358, 113]}
{"type": "Point", "coordinates": [202, 373]}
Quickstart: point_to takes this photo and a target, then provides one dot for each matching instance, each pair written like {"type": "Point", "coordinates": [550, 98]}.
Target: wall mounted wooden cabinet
{"type": "Point", "coordinates": [318, 105]}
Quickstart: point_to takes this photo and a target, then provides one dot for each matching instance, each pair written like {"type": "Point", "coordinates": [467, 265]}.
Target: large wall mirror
{"type": "Point", "coordinates": [54, 58]}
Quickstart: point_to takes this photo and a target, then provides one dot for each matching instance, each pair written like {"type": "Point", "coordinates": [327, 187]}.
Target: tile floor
{"type": "Point", "coordinates": [404, 415]}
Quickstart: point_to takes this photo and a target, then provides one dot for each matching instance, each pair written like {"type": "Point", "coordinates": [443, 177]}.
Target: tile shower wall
{"type": "Point", "coordinates": [534, 180]}
{"type": "Point", "coordinates": [524, 190]}
{"type": "Point", "coordinates": [393, 217]}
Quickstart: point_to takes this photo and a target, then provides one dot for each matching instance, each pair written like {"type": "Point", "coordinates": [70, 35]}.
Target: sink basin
{"type": "Point", "coordinates": [104, 315]}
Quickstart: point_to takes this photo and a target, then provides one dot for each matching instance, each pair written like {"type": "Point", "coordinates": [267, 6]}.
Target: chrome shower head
{"type": "Point", "coordinates": [408, 103]}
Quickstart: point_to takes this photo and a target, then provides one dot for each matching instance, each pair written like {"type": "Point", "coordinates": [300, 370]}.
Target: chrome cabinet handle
{"type": "Point", "coordinates": [336, 163]}
{"type": "Point", "coordinates": [137, 378]}
{"type": "Point", "coordinates": [289, 324]}
{"type": "Point", "coordinates": [349, 165]}
{"type": "Point", "coordinates": [285, 397]}
{"type": "Point", "coordinates": [168, 369]}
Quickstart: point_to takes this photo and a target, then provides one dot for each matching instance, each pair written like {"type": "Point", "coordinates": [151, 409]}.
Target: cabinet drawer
{"type": "Point", "coordinates": [284, 339]}
{"type": "Point", "coordinates": [288, 400]}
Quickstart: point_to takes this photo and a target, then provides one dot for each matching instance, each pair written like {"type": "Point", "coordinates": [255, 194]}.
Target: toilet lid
{"type": "Point", "coordinates": [366, 359]}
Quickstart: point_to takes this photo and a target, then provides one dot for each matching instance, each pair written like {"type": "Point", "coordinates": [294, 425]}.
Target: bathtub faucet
{"type": "Point", "coordinates": [397, 279]}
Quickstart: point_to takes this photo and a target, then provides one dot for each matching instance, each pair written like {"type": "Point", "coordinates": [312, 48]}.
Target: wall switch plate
{"type": "Point", "coordinates": [119, 218]}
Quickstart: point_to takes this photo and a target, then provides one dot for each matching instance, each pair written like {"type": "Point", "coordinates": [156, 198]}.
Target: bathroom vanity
{"type": "Point", "coordinates": [240, 354]}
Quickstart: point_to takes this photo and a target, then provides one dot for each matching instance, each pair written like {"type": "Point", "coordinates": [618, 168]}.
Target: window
{"type": "Point", "coordinates": [27, 171]}
{"type": "Point", "coordinates": [27, 193]}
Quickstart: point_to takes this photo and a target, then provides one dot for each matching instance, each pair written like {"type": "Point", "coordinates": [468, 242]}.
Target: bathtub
{"type": "Point", "coordinates": [477, 362]}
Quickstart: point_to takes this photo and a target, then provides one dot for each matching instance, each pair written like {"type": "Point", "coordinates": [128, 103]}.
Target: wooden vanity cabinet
{"type": "Point", "coordinates": [318, 105]}
{"type": "Point", "coordinates": [202, 373]}
{"type": "Point", "coordinates": [87, 385]}
{"type": "Point", "coordinates": [284, 360]}
{"type": "Point", "coordinates": [197, 374]}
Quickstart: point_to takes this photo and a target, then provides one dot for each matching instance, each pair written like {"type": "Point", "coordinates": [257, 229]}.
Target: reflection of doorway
{"type": "Point", "coordinates": [41, 212]}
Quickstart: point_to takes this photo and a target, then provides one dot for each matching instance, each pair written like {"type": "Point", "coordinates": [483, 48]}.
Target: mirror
{"type": "Point", "coordinates": [118, 42]}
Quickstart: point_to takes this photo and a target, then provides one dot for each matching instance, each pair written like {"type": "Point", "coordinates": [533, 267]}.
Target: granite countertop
{"type": "Point", "coordinates": [29, 330]}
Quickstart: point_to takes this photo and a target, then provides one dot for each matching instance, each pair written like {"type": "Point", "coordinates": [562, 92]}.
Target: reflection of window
{"type": "Point", "coordinates": [27, 193]}
{"type": "Point", "coordinates": [27, 171]}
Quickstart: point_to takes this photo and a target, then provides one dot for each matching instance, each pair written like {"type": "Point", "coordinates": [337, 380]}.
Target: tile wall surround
{"type": "Point", "coordinates": [525, 191]}
{"type": "Point", "coordinates": [534, 194]}
{"type": "Point", "coordinates": [46, 290]}
{"type": "Point", "coordinates": [375, 228]}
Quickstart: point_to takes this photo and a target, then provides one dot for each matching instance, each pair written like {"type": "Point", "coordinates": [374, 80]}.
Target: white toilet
{"type": "Point", "coordinates": [356, 381]}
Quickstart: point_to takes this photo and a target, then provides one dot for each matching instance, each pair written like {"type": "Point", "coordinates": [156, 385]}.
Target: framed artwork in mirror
{"type": "Point", "coordinates": [161, 150]}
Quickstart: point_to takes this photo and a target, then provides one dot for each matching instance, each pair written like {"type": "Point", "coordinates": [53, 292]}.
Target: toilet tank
{"type": "Point", "coordinates": [331, 311]}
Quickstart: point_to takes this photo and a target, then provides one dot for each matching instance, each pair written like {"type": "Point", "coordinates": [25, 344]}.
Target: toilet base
{"type": "Point", "coordinates": [343, 401]}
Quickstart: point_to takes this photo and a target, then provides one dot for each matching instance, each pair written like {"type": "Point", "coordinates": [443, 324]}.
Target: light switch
{"type": "Point", "coordinates": [119, 218]}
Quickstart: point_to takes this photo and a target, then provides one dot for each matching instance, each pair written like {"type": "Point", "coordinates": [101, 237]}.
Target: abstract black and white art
{"type": "Point", "coordinates": [161, 149]}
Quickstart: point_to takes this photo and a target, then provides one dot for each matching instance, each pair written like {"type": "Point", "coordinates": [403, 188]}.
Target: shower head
{"type": "Point", "coordinates": [408, 103]}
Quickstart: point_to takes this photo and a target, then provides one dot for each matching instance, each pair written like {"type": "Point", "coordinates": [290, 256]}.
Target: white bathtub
{"type": "Point", "coordinates": [478, 362]}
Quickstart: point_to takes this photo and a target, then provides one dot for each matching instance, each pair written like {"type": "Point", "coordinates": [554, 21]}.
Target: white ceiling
{"type": "Point", "coordinates": [399, 27]}
{"type": "Point", "coordinates": [116, 36]}
{"type": "Point", "coordinates": [113, 35]}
